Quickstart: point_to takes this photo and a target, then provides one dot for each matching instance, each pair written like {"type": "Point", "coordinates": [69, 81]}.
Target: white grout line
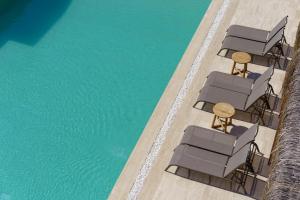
{"type": "Point", "coordinates": [160, 138]}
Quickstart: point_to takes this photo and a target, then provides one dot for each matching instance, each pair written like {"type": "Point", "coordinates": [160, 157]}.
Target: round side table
{"type": "Point", "coordinates": [223, 113]}
{"type": "Point", "coordinates": [240, 58]}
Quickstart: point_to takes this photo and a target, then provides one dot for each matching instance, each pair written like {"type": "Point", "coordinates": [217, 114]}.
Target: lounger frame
{"type": "Point", "coordinates": [239, 174]}
{"type": "Point", "coordinates": [275, 52]}
{"type": "Point", "coordinates": [258, 107]}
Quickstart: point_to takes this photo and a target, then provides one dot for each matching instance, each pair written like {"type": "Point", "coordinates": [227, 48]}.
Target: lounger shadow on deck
{"type": "Point", "coordinates": [263, 164]}
{"type": "Point", "coordinates": [247, 96]}
{"type": "Point", "coordinates": [260, 165]}
{"type": "Point", "coordinates": [266, 61]}
{"type": "Point", "coordinates": [257, 185]}
{"type": "Point", "coordinates": [270, 118]}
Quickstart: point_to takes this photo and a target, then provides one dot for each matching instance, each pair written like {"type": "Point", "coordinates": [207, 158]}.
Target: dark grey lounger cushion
{"type": "Point", "coordinates": [199, 160]}
{"type": "Point", "coordinates": [240, 44]}
{"type": "Point", "coordinates": [259, 35]}
{"type": "Point", "coordinates": [247, 137]}
{"type": "Point", "coordinates": [277, 28]}
{"type": "Point", "coordinates": [247, 33]}
{"type": "Point", "coordinates": [251, 46]}
{"type": "Point", "coordinates": [229, 82]}
{"type": "Point", "coordinates": [266, 76]}
{"type": "Point", "coordinates": [215, 95]}
{"type": "Point", "coordinates": [209, 139]}
{"type": "Point", "coordinates": [237, 159]}
{"type": "Point", "coordinates": [216, 141]}
{"type": "Point", "coordinates": [273, 41]}
{"type": "Point", "coordinates": [256, 94]}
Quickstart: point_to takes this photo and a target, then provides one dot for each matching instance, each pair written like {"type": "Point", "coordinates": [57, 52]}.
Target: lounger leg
{"type": "Point", "coordinates": [167, 168]}
{"type": "Point", "coordinates": [276, 57]}
{"type": "Point", "coordinates": [251, 116]}
{"type": "Point", "coordinates": [231, 180]}
{"type": "Point", "coordinates": [230, 121]}
{"type": "Point", "coordinates": [277, 60]}
{"type": "Point", "coordinates": [256, 147]}
{"type": "Point", "coordinates": [265, 99]}
{"type": "Point", "coordinates": [281, 50]}
{"type": "Point", "coordinates": [271, 89]}
{"type": "Point", "coordinates": [244, 180]}
{"type": "Point", "coordinates": [240, 181]}
{"type": "Point", "coordinates": [262, 121]}
{"type": "Point", "coordinates": [261, 114]}
{"type": "Point", "coordinates": [284, 39]}
{"type": "Point", "coordinates": [254, 151]}
{"type": "Point", "coordinates": [194, 106]}
{"type": "Point", "coordinates": [219, 51]}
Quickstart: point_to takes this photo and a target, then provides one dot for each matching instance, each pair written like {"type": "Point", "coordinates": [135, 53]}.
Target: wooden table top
{"type": "Point", "coordinates": [241, 57]}
{"type": "Point", "coordinates": [224, 110]}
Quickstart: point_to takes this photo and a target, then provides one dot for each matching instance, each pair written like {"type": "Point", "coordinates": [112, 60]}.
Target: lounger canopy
{"type": "Point", "coordinates": [255, 34]}
{"type": "Point", "coordinates": [215, 141]}
{"type": "Point", "coordinates": [241, 93]}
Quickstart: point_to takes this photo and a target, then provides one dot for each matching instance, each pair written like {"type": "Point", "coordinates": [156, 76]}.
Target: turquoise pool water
{"type": "Point", "coordinates": [78, 82]}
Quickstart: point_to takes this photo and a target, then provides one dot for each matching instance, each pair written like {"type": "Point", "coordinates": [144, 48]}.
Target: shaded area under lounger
{"type": "Point", "coordinates": [258, 187]}
{"type": "Point", "coordinates": [268, 60]}
{"type": "Point", "coordinates": [270, 117]}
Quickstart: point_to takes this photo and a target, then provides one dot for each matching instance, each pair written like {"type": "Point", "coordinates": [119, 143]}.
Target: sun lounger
{"type": "Point", "coordinates": [273, 47]}
{"type": "Point", "coordinates": [215, 141]}
{"type": "Point", "coordinates": [259, 35]}
{"type": "Point", "coordinates": [251, 46]}
{"type": "Point", "coordinates": [241, 93]}
{"type": "Point", "coordinates": [214, 164]}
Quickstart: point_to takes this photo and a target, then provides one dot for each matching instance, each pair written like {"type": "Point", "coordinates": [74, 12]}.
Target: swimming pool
{"type": "Point", "coordinates": [79, 80]}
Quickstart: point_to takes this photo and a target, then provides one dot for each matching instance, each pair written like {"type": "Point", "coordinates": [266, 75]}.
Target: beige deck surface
{"type": "Point", "coordinates": [162, 185]}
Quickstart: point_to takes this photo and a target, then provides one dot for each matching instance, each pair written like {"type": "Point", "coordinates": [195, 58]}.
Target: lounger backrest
{"type": "Point", "coordinates": [273, 41]}
{"type": "Point", "coordinates": [256, 94]}
{"type": "Point", "coordinates": [237, 159]}
{"type": "Point", "coordinates": [277, 28]}
{"type": "Point", "coordinates": [247, 137]}
{"type": "Point", "coordinates": [264, 77]}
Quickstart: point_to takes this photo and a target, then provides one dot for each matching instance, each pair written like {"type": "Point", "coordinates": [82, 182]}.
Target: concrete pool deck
{"type": "Point", "coordinates": [160, 184]}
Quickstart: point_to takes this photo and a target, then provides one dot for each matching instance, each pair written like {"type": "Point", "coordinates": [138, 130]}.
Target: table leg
{"type": "Point", "coordinates": [245, 70]}
{"type": "Point", "coordinates": [230, 121]}
{"type": "Point", "coordinates": [233, 68]}
{"type": "Point", "coordinates": [214, 120]}
{"type": "Point", "coordinates": [225, 125]}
